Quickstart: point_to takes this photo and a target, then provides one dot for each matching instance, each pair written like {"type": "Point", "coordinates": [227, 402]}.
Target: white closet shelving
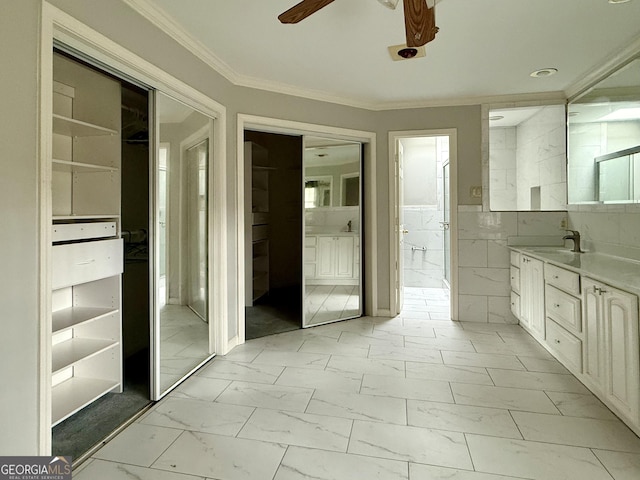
{"type": "Point", "coordinates": [87, 257]}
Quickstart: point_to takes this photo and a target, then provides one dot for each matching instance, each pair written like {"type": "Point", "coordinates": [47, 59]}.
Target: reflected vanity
{"type": "Point", "coordinates": [332, 193]}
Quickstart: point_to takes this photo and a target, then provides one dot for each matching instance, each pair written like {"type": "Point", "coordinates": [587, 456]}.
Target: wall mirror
{"type": "Point", "coordinates": [332, 173]}
{"type": "Point", "coordinates": [604, 140]}
{"type": "Point", "coordinates": [527, 158]}
{"type": "Point", "coordinates": [182, 178]}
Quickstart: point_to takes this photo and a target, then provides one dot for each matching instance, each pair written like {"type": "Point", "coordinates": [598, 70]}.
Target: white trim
{"type": "Point", "coordinates": [274, 125]}
{"type": "Point", "coordinates": [59, 25]}
{"type": "Point", "coordinates": [162, 20]}
{"type": "Point", "coordinates": [394, 253]}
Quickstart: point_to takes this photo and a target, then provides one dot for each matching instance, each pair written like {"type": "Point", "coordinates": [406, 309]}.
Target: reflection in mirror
{"type": "Point", "coordinates": [317, 191]}
{"type": "Point", "coordinates": [527, 158]}
{"type": "Point", "coordinates": [332, 173]}
{"type": "Point", "coordinates": [182, 304]}
{"type": "Point", "coordinates": [332, 289]}
{"type": "Point", "coordinates": [604, 140]}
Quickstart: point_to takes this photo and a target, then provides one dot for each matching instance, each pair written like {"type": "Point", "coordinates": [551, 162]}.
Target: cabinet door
{"type": "Point", "coordinates": [593, 334]}
{"type": "Point", "coordinates": [344, 257]}
{"type": "Point", "coordinates": [326, 257]}
{"type": "Point", "coordinates": [536, 279]}
{"type": "Point", "coordinates": [532, 295]}
{"type": "Point", "coordinates": [621, 333]}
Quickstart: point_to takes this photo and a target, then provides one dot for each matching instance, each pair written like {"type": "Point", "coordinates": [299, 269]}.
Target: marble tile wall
{"type": "Point", "coordinates": [541, 157]}
{"type": "Point", "coordinates": [610, 229]}
{"type": "Point", "coordinates": [484, 262]}
{"type": "Point", "coordinates": [502, 176]}
{"type": "Point", "coordinates": [423, 268]}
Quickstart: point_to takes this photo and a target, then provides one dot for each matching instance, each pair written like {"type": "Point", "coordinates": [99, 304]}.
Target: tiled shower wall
{"type": "Point", "coordinates": [423, 252]}
{"type": "Point", "coordinates": [484, 262]}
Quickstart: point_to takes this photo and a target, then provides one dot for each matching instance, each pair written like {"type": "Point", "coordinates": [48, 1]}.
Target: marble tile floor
{"type": "Point", "coordinates": [409, 397]}
{"type": "Point", "coordinates": [326, 303]}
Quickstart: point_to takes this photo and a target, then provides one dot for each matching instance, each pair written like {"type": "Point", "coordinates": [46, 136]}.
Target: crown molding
{"type": "Point", "coordinates": [595, 75]}
{"type": "Point", "coordinates": [167, 24]}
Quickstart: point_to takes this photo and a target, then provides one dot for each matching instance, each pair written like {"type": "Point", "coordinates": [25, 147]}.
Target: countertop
{"type": "Point", "coordinates": [619, 272]}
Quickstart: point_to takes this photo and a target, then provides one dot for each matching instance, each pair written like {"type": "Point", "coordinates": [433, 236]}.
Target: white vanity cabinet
{"type": "Point", "coordinates": [332, 259]}
{"type": "Point", "coordinates": [611, 350]}
{"type": "Point", "coordinates": [532, 296]}
{"type": "Point", "coordinates": [86, 251]}
{"type": "Point", "coordinates": [563, 316]}
{"type": "Point", "coordinates": [515, 284]}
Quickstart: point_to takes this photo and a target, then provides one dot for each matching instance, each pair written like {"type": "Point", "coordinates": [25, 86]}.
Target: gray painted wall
{"type": "Point", "coordinates": [19, 32]}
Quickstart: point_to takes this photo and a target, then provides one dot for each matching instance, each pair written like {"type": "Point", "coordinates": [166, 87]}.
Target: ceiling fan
{"type": "Point", "coordinates": [419, 18]}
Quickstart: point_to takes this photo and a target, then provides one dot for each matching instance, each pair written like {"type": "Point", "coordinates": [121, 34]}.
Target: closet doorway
{"type": "Point", "coordinates": [302, 231]}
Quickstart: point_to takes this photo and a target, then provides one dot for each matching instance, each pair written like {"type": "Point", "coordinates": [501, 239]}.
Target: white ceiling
{"type": "Point", "coordinates": [485, 48]}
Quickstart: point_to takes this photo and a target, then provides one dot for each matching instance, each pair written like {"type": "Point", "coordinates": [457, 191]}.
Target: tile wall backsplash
{"type": "Point", "coordinates": [609, 229]}
{"type": "Point", "coordinates": [483, 258]}
{"type": "Point", "coordinates": [334, 219]}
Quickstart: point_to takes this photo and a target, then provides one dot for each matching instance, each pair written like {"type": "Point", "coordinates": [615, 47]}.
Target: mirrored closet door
{"type": "Point", "coordinates": [332, 230]}
{"type": "Point", "coordinates": [182, 218]}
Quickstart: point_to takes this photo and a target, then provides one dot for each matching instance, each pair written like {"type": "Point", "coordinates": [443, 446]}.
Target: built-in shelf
{"type": "Point", "coordinates": [75, 393]}
{"type": "Point", "coordinates": [261, 167]}
{"type": "Point", "coordinates": [77, 128]}
{"type": "Point", "coordinates": [67, 166]}
{"type": "Point", "coordinates": [72, 351]}
{"type": "Point", "coordinates": [76, 316]}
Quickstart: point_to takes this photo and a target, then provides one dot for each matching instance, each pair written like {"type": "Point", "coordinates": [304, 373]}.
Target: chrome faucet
{"type": "Point", "coordinates": [575, 236]}
{"type": "Point", "coordinates": [349, 226]}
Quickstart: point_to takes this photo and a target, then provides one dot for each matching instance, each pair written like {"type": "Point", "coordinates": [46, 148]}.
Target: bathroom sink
{"type": "Point", "coordinates": [560, 255]}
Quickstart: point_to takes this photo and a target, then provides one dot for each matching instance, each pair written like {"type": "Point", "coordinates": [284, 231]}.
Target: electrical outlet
{"type": "Point", "coordinates": [563, 223]}
{"type": "Point", "coordinates": [476, 192]}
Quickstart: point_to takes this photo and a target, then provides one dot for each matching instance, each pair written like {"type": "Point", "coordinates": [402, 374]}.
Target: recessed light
{"type": "Point", "coordinates": [496, 117]}
{"type": "Point", "coordinates": [544, 72]}
{"type": "Point", "coordinates": [618, 1]}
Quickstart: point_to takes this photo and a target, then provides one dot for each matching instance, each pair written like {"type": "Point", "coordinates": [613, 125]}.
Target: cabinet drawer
{"type": "Point", "coordinates": [515, 304]}
{"type": "Point", "coordinates": [515, 258]}
{"type": "Point", "coordinates": [309, 270]}
{"type": "Point", "coordinates": [65, 232]}
{"type": "Point", "coordinates": [515, 279]}
{"type": "Point", "coordinates": [310, 254]}
{"type": "Point", "coordinates": [563, 279]}
{"type": "Point", "coordinates": [310, 241]}
{"type": "Point", "coordinates": [85, 262]}
{"type": "Point", "coordinates": [563, 308]}
{"type": "Point", "coordinates": [566, 347]}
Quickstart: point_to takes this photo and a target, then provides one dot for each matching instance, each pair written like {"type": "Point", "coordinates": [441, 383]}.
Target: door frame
{"type": "Point", "coordinates": [394, 138]}
{"type": "Point", "coordinates": [369, 234]}
{"type": "Point", "coordinates": [57, 25]}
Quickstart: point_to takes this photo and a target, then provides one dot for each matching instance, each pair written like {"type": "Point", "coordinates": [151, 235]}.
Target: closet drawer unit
{"type": "Point", "coordinates": [563, 308]}
{"type": "Point", "coordinates": [563, 279]}
{"type": "Point", "coordinates": [260, 232]}
{"type": "Point", "coordinates": [566, 347]}
{"type": "Point", "coordinates": [85, 262]}
{"type": "Point", "coordinates": [515, 279]}
{"type": "Point", "coordinates": [515, 304]}
{"type": "Point", "coordinates": [515, 258]}
{"type": "Point", "coordinates": [259, 218]}
{"type": "Point", "coordinates": [65, 232]}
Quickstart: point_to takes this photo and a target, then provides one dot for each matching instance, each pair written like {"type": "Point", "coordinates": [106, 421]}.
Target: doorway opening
{"type": "Point", "coordinates": [423, 224]}
{"type": "Point", "coordinates": [273, 233]}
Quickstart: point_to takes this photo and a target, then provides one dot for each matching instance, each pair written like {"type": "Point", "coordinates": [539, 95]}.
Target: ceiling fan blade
{"type": "Point", "coordinates": [302, 10]}
{"type": "Point", "coordinates": [419, 22]}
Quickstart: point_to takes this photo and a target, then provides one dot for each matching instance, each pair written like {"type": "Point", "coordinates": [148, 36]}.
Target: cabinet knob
{"type": "Point", "coordinates": [556, 277]}
{"type": "Point", "coordinates": [557, 305]}
{"type": "Point", "coordinates": [557, 341]}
